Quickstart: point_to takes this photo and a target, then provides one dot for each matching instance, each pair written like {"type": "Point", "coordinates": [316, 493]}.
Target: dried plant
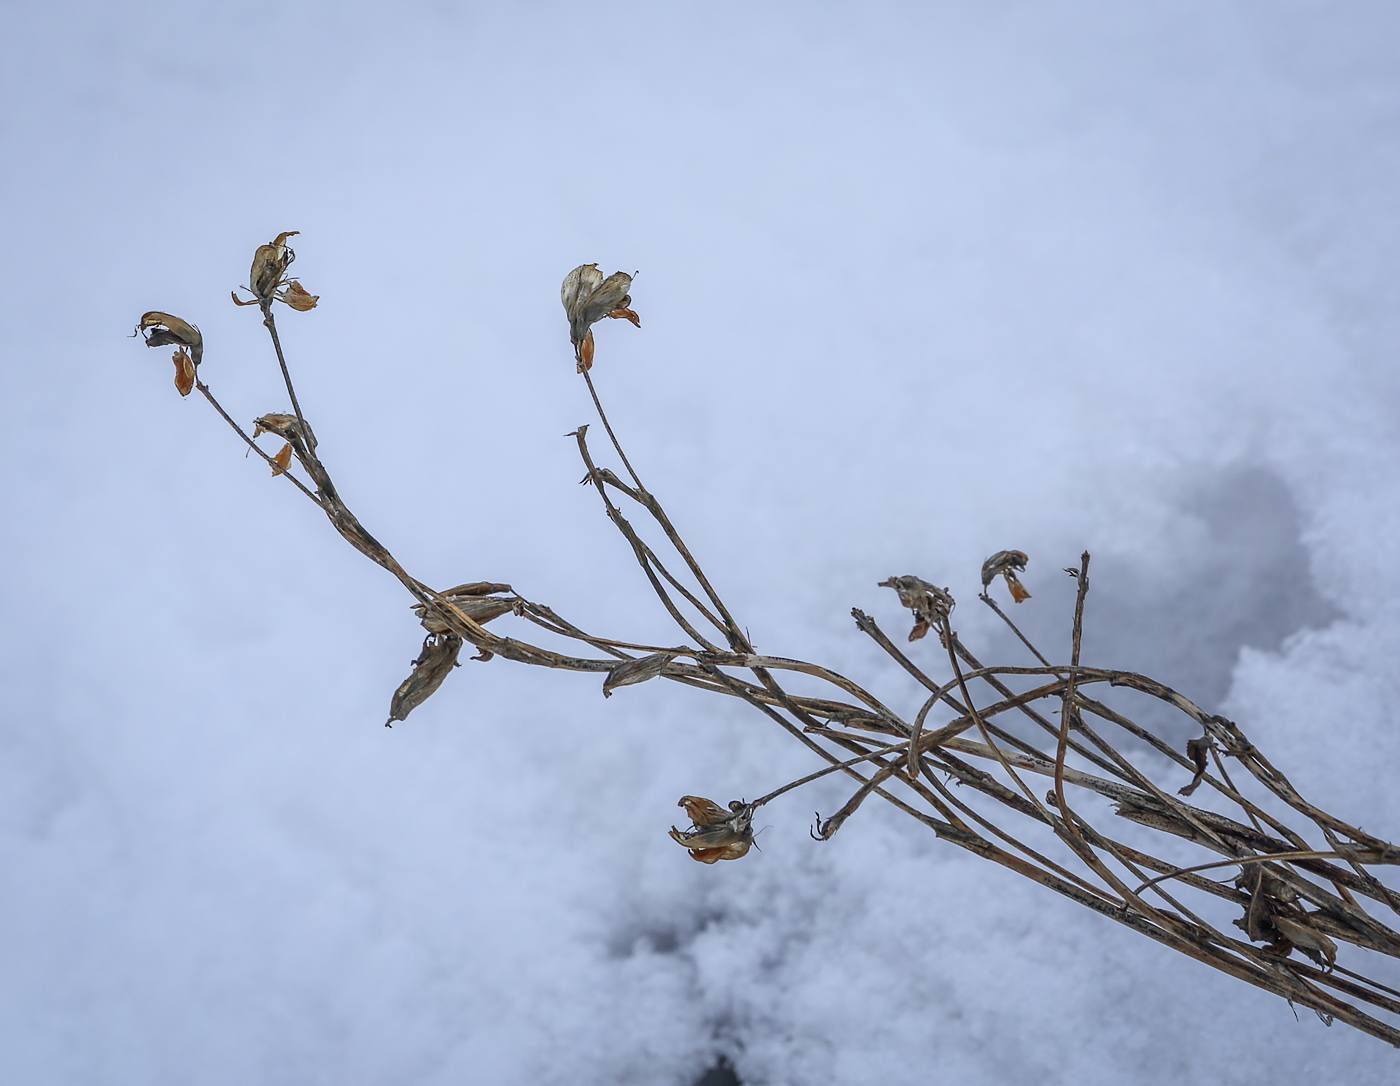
{"type": "Point", "coordinates": [1108, 826]}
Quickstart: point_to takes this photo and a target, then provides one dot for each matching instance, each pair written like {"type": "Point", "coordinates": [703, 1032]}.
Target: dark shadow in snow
{"type": "Point", "coordinates": [1249, 584]}
{"type": "Point", "coordinates": [721, 1074]}
{"type": "Point", "coordinates": [1182, 618]}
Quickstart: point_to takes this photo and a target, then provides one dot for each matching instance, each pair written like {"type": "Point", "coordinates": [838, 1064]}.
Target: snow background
{"type": "Point", "coordinates": [917, 283]}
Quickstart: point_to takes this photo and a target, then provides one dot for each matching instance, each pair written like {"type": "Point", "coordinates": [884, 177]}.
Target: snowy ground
{"type": "Point", "coordinates": [918, 283]}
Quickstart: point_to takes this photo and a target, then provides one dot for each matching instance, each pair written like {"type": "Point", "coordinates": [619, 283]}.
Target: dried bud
{"type": "Point", "coordinates": [588, 298]}
{"type": "Point", "coordinates": [636, 671]}
{"type": "Point", "coordinates": [717, 834]}
{"type": "Point", "coordinates": [930, 604]}
{"type": "Point", "coordinates": [1006, 563]}
{"type": "Point", "coordinates": [434, 663]}
{"type": "Point", "coordinates": [165, 330]}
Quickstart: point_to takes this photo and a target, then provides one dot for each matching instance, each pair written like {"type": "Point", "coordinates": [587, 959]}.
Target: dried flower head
{"type": "Point", "coordinates": [1006, 563]}
{"type": "Point", "coordinates": [929, 603]}
{"type": "Point", "coordinates": [267, 278]}
{"type": "Point", "coordinates": [588, 298]}
{"type": "Point", "coordinates": [164, 330]}
{"type": "Point", "coordinates": [717, 834]}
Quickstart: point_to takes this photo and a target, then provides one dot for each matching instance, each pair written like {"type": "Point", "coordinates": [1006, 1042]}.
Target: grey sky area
{"type": "Point", "coordinates": [917, 283]}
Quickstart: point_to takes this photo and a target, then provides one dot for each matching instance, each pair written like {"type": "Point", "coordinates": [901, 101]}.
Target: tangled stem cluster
{"type": "Point", "coordinates": [1027, 765]}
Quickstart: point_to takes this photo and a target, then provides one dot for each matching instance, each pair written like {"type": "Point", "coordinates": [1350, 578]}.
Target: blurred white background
{"type": "Point", "coordinates": [917, 283]}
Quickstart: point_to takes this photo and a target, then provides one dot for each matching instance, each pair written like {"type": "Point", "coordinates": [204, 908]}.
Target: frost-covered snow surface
{"type": "Point", "coordinates": [917, 283]}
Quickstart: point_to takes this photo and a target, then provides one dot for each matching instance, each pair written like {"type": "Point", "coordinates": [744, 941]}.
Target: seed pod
{"type": "Point", "coordinates": [434, 663]}
{"type": "Point", "coordinates": [630, 672]}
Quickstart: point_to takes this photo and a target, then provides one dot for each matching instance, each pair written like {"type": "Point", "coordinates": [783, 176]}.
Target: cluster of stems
{"type": "Point", "coordinates": [1018, 764]}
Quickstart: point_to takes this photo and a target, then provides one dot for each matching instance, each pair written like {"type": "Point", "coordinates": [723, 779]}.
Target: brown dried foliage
{"type": "Point", "coordinates": [1113, 831]}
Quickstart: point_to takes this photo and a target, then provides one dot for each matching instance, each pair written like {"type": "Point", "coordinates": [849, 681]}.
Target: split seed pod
{"type": "Point", "coordinates": [929, 603]}
{"type": "Point", "coordinates": [717, 834]}
{"type": "Point", "coordinates": [434, 663]}
{"type": "Point", "coordinates": [1006, 563]}
{"type": "Point", "coordinates": [588, 298]}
